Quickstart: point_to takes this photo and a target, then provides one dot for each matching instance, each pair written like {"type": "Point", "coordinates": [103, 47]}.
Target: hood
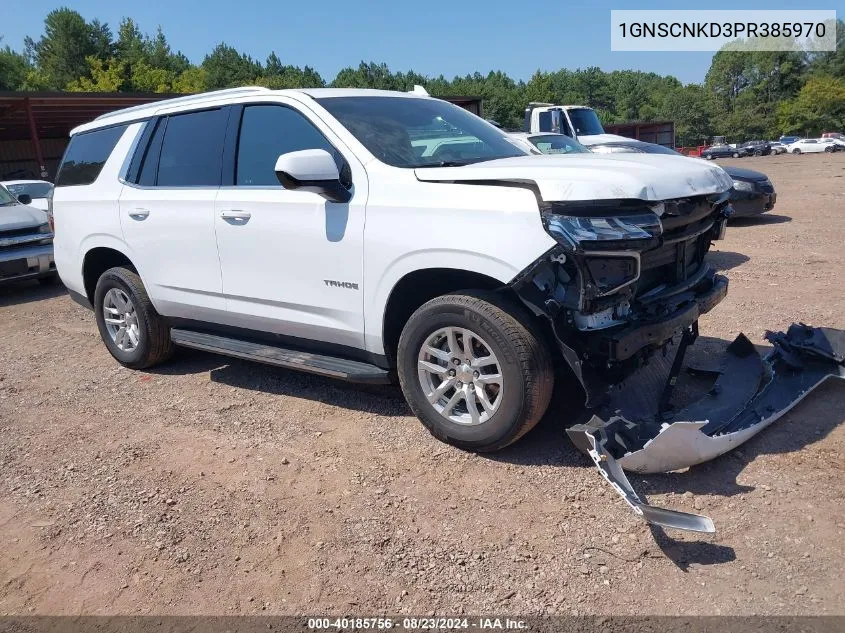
{"type": "Point", "coordinates": [580, 177]}
{"type": "Point", "coordinates": [21, 216]}
{"type": "Point", "coordinates": [744, 174]}
{"type": "Point", "coordinates": [39, 203]}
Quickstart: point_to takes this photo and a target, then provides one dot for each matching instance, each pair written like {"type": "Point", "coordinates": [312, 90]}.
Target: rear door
{"type": "Point", "coordinates": [167, 214]}
{"type": "Point", "coordinates": [292, 261]}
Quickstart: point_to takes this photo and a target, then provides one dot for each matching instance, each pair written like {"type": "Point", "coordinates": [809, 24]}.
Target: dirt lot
{"type": "Point", "coordinates": [215, 486]}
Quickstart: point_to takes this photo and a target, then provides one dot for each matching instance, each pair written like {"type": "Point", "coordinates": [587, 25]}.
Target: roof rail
{"type": "Point", "coordinates": [186, 99]}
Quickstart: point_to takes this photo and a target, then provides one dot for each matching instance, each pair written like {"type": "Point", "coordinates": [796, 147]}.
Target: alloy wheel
{"type": "Point", "coordinates": [121, 320]}
{"type": "Point", "coordinates": [460, 376]}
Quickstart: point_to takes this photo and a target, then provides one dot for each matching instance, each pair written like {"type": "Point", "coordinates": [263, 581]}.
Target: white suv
{"type": "Point", "coordinates": [368, 235]}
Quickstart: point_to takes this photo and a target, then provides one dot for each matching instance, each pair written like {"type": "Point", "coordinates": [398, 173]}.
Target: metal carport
{"type": "Point", "coordinates": [34, 126]}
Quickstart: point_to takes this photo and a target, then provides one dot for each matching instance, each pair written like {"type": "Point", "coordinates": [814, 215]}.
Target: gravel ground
{"type": "Point", "coordinates": [214, 486]}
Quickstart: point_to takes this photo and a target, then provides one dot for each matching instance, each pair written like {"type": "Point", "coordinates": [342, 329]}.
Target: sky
{"type": "Point", "coordinates": [428, 36]}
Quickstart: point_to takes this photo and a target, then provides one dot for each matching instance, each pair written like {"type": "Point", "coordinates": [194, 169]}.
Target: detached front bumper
{"type": "Point", "coordinates": [749, 395]}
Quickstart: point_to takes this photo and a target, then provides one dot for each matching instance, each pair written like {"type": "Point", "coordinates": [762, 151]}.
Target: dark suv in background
{"type": "Point", "coordinates": [758, 148]}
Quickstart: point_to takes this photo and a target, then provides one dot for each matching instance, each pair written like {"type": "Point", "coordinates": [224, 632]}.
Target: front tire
{"type": "Point", "coordinates": [735, 154]}
{"type": "Point", "coordinates": [134, 333]}
{"type": "Point", "coordinates": [709, 157]}
{"type": "Point", "coordinates": [474, 371]}
{"type": "Point", "coordinates": [796, 151]}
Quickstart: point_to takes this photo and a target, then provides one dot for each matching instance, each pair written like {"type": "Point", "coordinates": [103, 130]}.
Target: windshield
{"type": "Point", "coordinates": [6, 198]}
{"type": "Point", "coordinates": [585, 121]}
{"type": "Point", "coordinates": [557, 144]}
{"type": "Point", "coordinates": [408, 132]}
{"type": "Point", "coordinates": [635, 147]}
{"type": "Point", "coordinates": [32, 189]}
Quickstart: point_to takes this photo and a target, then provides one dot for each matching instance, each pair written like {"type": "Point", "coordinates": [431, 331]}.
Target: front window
{"type": "Point", "coordinates": [31, 189]}
{"type": "Point", "coordinates": [557, 144]}
{"type": "Point", "coordinates": [410, 133]}
{"type": "Point", "coordinates": [585, 121]}
{"type": "Point", "coordinates": [268, 131]}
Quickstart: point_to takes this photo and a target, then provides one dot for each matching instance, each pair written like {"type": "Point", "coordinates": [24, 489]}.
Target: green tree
{"type": "Point", "coordinates": [160, 55]}
{"type": "Point", "coordinates": [280, 76]}
{"type": "Point", "coordinates": [367, 75]}
{"type": "Point", "coordinates": [830, 62]}
{"type": "Point", "coordinates": [819, 107]}
{"type": "Point", "coordinates": [103, 76]}
{"type": "Point", "coordinates": [192, 80]}
{"type": "Point", "coordinates": [687, 107]}
{"type": "Point", "coordinates": [13, 69]}
{"type": "Point", "coordinates": [225, 67]}
{"type": "Point", "coordinates": [61, 53]}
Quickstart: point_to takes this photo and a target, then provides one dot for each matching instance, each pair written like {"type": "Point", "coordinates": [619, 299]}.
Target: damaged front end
{"type": "Point", "coordinates": [622, 293]}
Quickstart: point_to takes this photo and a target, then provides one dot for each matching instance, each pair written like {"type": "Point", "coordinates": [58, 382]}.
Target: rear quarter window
{"type": "Point", "coordinates": [86, 154]}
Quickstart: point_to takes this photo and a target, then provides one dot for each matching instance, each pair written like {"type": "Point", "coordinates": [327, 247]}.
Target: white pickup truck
{"type": "Point", "coordinates": [370, 235]}
{"type": "Point", "coordinates": [578, 122]}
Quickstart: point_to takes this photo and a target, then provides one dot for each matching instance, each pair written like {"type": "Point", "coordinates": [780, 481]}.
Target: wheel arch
{"type": "Point", "coordinates": [98, 260]}
{"type": "Point", "coordinates": [420, 286]}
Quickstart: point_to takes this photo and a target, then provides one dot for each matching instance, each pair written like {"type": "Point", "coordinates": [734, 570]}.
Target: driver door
{"type": "Point", "coordinates": [291, 261]}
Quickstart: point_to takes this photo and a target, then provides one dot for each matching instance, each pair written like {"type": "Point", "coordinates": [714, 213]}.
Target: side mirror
{"type": "Point", "coordinates": [556, 121]}
{"type": "Point", "coordinates": [312, 170]}
{"type": "Point", "coordinates": [25, 198]}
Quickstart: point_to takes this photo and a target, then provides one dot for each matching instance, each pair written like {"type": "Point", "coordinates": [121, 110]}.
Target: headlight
{"type": "Point", "coordinates": [45, 228]}
{"type": "Point", "coordinates": [583, 230]}
{"type": "Point", "coordinates": [742, 185]}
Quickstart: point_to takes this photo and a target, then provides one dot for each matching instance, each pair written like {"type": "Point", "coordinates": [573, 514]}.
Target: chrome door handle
{"type": "Point", "coordinates": [139, 214]}
{"type": "Point", "coordinates": [235, 214]}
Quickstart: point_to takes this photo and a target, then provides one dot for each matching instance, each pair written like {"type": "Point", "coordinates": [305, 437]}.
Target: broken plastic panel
{"type": "Point", "coordinates": [749, 395]}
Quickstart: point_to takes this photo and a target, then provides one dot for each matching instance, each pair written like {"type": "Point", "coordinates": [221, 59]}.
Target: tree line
{"type": "Point", "coordinates": [745, 95]}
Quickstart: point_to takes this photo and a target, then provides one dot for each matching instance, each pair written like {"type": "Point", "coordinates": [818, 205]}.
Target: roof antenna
{"type": "Point", "coordinates": [419, 90]}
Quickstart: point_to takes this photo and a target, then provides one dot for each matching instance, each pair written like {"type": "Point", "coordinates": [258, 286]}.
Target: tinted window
{"type": "Point", "coordinates": [149, 165]}
{"type": "Point", "coordinates": [586, 122]}
{"type": "Point", "coordinates": [86, 154]}
{"type": "Point", "coordinates": [557, 144]}
{"type": "Point", "coordinates": [32, 189]}
{"type": "Point", "coordinates": [394, 128]}
{"type": "Point", "coordinates": [267, 131]}
{"type": "Point", "coordinates": [192, 149]}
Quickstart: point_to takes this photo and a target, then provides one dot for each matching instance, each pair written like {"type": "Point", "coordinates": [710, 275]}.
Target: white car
{"type": "Point", "coordinates": [367, 235]}
{"type": "Point", "coordinates": [832, 144]}
{"type": "Point", "coordinates": [36, 193]}
{"type": "Point", "coordinates": [808, 146]}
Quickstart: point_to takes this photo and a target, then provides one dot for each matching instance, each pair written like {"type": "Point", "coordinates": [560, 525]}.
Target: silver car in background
{"type": "Point", "coordinates": [26, 241]}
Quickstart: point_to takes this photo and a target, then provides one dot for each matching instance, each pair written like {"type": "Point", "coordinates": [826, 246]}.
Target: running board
{"type": "Point", "coordinates": [341, 368]}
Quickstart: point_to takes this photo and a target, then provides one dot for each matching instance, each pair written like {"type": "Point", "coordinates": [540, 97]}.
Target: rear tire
{"type": "Point", "coordinates": [149, 344]}
{"type": "Point", "coordinates": [735, 154]}
{"type": "Point", "coordinates": [709, 157]}
{"type": "Point", "coordinates": [496, 330]}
